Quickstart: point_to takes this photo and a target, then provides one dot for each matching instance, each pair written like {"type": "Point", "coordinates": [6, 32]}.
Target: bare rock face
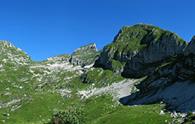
{"type": "Point", "coordinates": [155, 54]}
{"type": "Point", "coordinates": [187, 69]}
{"type": "Point", "coordinates": [83, 56]}
{"type": "Point", "coordinates": [126, 44]}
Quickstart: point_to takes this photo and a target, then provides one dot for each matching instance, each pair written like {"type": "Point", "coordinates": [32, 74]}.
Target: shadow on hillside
{"type": "Point", "coordinates": [179, 99]}
{"type": "Point", "coordinates": [137, 99]}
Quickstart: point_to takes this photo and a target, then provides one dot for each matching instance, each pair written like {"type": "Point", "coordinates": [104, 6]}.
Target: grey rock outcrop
{"type": "Point", "coordinates": [85, 55]}
{"type": "Point", "coordinates": [187, 68]}
{"type": "Point", "coordinates": [156, 54]}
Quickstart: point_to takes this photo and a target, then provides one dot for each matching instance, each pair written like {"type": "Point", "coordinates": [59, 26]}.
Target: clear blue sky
{"type": "Point", "coordinates": [45, 28]}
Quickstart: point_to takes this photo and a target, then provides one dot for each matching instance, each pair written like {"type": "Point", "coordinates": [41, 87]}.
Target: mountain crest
{"type": "Point", "coordinates": [139, 45]}
{"type": "Point", "coordinates": [91, 46]}
{"type": "Point", "coordinates": [84, 55]}
{"type": "Point", "coordinates": [191, 47]}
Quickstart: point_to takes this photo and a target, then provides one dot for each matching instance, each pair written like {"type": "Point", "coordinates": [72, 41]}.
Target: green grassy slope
{"type": "Point", "coordinates": [105, 110]}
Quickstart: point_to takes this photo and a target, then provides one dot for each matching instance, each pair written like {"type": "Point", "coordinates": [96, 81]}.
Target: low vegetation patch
{"type": "Point", "coordinates": [100, 77]}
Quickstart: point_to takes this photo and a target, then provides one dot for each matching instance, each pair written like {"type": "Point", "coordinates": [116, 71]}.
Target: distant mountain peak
{"type": "Point", "coordinates": [91, 46]}
{"type": "Point", "coordinates": [85, 55]}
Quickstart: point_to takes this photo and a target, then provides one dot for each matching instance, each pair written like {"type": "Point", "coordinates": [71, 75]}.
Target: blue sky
{"type": "Point", "coordinates": [45, 28]}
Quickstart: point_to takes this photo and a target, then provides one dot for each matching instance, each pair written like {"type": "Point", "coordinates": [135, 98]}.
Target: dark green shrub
{"type": "Point", "coordinates": [72, 115]}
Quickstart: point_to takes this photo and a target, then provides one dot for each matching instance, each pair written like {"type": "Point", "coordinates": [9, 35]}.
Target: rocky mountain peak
{"type": "Point", "coordinates": [139, 45]}
{"type": "Point", "coordinates": [84, 55]}
{"type": "Point", "coordinates": [191, 47]}
{"type": "Point", "coordinates": [146, 34]}
{"type": "Point", "coordinates": [12, 55]}
{"type": "Point", "coordinates": [91, 46]}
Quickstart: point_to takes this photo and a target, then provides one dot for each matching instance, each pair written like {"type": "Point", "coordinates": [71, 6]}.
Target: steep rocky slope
{"type": "Point", "coordinates": [139, 46]}
{"type": "Point", "coordinates": [172, 83]}
{"type": "Point", "coordinates": [12, 55]}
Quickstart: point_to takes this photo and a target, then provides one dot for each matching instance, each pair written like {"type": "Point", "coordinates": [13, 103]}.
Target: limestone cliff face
{"type": "Point", "coordinates": [172, 83]}
{"type": "Point", "coordinates": [127, 43]}
{"type": "Point", "coordinates": [83, 56]}
{"type": "Point", "coordinates": [137, 47]}
{"type": "Point", "coordinates": [156, 54]}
